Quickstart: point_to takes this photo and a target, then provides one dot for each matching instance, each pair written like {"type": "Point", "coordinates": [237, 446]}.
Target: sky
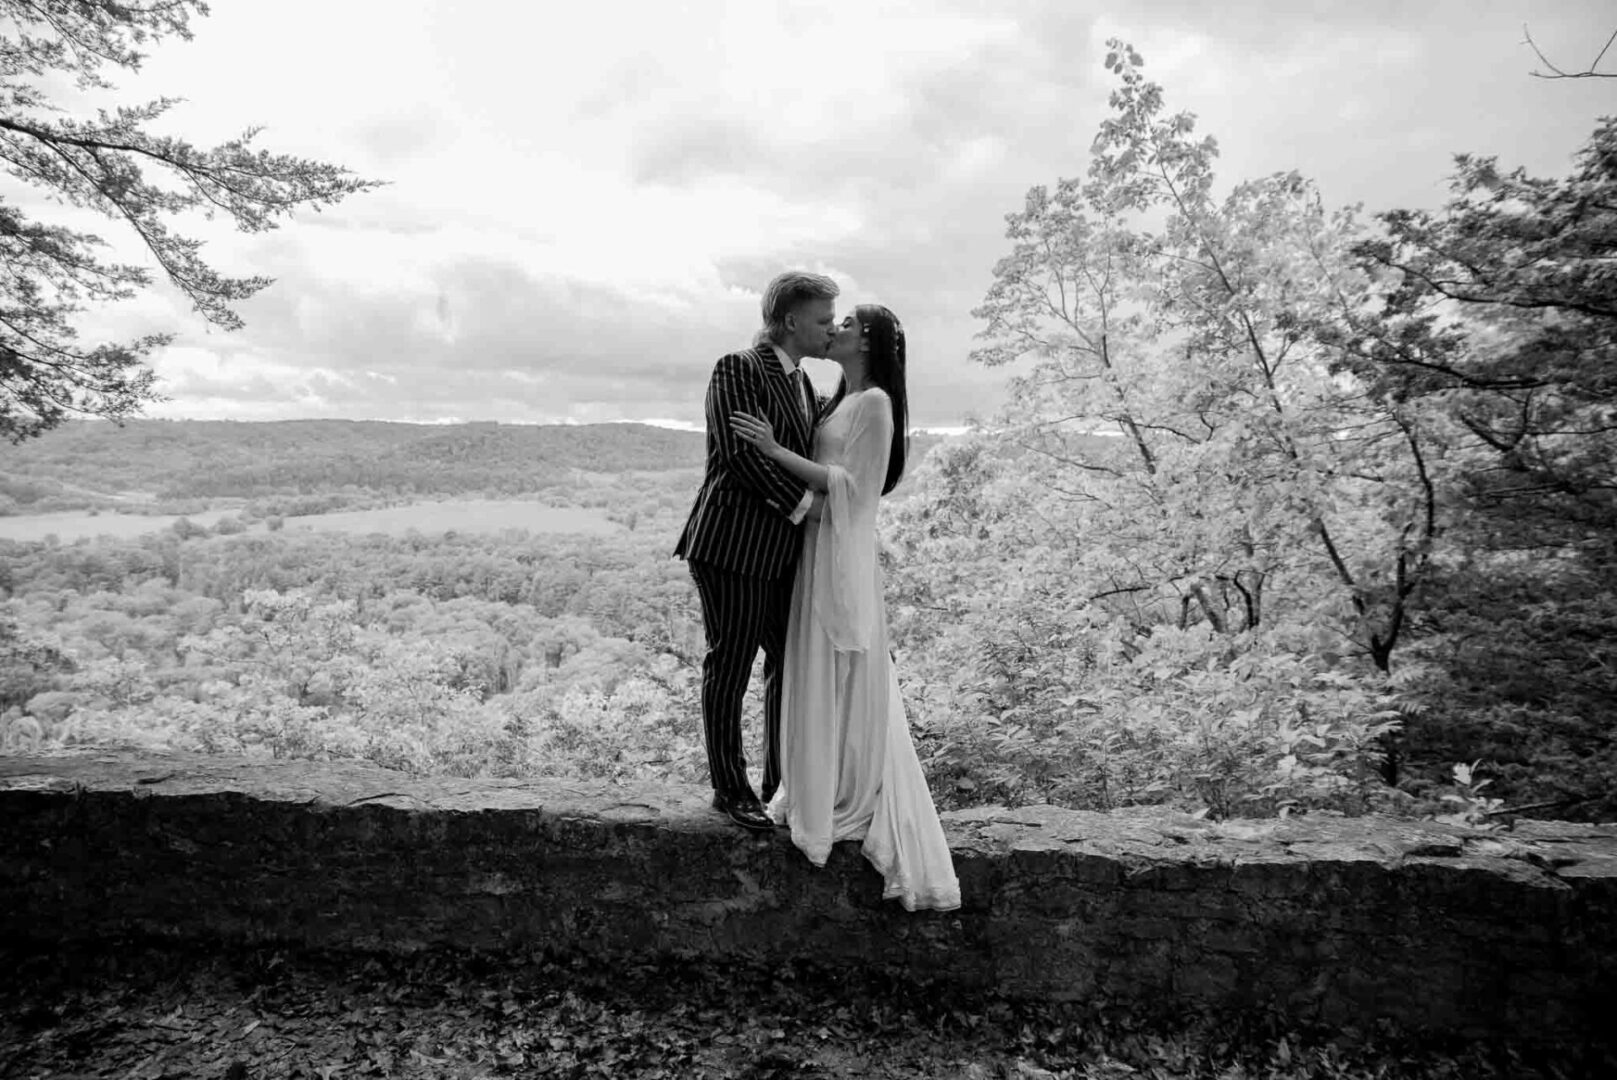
{"type": "Point", "coordinates": [585, 200]}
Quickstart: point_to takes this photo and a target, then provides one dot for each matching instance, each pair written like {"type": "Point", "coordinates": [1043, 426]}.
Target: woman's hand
{"type": "Point", "coordinates": [755, 431]}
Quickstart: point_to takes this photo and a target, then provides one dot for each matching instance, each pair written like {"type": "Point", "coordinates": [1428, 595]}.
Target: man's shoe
{"type": "Point", "coordinates": [744, 810]}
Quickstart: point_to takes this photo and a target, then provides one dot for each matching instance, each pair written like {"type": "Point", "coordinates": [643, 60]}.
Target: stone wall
{"type": "Point", "coordinates": [1336, 920]}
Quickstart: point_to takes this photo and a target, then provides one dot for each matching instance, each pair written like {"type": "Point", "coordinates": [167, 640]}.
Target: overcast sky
{"type": "Point", "coordinates": [585, 203]}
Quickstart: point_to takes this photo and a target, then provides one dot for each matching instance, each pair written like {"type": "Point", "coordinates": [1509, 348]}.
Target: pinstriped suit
{"type": "Point", "coordinates": [742, 548]}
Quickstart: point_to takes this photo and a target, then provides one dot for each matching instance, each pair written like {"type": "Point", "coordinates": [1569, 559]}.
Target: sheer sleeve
{"type": "Point", "coordinates": [845, 548]}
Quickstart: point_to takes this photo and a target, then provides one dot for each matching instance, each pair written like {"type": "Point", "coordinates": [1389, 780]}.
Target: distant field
{"type": "Point", "coordinates": [70, 525]}
{"type": "Point", "coordinates": [468, 516]}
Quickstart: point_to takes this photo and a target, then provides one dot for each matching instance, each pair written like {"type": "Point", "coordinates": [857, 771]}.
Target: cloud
{"type": "Point", "coordinates": [582, 210]}
{"type": "Point", "coordinates": [464, 337]}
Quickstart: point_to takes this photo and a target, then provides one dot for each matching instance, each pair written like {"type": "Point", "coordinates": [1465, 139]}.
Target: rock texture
{"type": "Point", "coordinates": [1329, 919]}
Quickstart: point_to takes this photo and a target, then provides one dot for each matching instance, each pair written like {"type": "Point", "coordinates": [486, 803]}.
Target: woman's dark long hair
{"type": "Point", "coordinates": [884, 367]}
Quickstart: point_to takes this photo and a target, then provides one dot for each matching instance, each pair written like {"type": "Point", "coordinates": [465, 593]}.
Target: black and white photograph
{"type": "Point", "coordinates": [921, 539]}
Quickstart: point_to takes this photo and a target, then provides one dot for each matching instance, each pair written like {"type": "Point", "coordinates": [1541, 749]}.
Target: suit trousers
{"type": "Point", "coordinates": [740, 614]}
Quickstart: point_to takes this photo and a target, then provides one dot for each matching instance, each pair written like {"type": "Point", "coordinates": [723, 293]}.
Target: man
{"type": "Point", "coordinates": [744, 531]}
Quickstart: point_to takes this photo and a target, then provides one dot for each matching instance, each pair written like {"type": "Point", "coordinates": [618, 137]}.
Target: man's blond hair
{"type": "Point", "coordinates": [785, 293]}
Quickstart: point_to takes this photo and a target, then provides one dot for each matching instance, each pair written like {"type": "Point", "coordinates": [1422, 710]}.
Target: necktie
{"type": "Point", "coordinates": [796, 379]}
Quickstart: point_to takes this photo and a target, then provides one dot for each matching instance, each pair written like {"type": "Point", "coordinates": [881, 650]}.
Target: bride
{"type": "Point", "coordinates": [849, 769]}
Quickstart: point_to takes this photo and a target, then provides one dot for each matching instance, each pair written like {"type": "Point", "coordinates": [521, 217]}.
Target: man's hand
{"type": "Point", "coordinates": [815, 507]}
{"type": "Point", "coordinates": [755, 431]}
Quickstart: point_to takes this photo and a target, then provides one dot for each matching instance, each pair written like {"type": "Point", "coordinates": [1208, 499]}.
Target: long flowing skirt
{"type": "Point", "coordinates": [849, 769]}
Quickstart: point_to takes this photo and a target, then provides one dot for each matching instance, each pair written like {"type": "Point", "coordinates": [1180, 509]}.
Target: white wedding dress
{"type": "Point", "coordinates": [849, 770]}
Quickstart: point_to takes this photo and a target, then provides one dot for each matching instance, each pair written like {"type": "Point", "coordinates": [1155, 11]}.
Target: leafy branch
{"type": "Point", "coordinates": [110, 164]}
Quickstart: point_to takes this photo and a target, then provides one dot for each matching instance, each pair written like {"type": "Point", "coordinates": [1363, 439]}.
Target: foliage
{"type": "Point", "coordinates": [1500, 310]}
{"type": "Point", "coordinates": [1244, 489]}
{"type": "Point", "coordinates": [1030, 693]}
{"type": "Point", "coordinates": [465, 654]}
{"type": "Point", "coordinates": [27, 663]}
{"type": "Point", "coordinates": [1502, 306]}
{"type": "Point", "coordinates": [101, 165]}
{"type": "Point", "coordinates": [1248, 483]}
{"type": "Point", "coordinates": [579, 656]}
{"type": "Point", "coordinates": [1178, 567]}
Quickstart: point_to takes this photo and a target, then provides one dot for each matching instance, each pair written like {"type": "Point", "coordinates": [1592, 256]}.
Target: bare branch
{"type": "Point", "coordinates": [1557, 73]}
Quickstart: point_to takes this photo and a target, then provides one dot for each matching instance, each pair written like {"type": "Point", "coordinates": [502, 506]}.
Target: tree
{"type": "Point", "coordinates": [1243, 471]}
{"type": "Point", "coordinates": [53, 272]}
{"type": "Point", "coordinates": [1500, 310]}
{"type": "Point", "coordinates": [1179, 566]}
{"type": "Point", "coordinates": [1502, 306]}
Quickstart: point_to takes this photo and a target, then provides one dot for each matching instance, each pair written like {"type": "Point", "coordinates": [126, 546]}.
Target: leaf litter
{"type": "Point", "coordinates": [144, 1011]}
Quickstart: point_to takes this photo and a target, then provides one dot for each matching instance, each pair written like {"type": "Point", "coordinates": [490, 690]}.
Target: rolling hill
{"type": "Point", "coordinates": [148, 463]}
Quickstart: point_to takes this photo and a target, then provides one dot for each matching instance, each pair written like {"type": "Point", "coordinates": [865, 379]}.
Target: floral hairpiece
{"type": "Point", "coordinates": [898, 327]}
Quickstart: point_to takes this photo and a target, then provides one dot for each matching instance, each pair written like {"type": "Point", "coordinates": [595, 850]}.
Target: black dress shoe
{"type": "Point", "coordinates": [744, 810]}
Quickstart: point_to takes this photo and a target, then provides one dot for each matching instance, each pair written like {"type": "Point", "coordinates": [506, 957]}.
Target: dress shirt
{"type": "Point", "coordinates": [792, 368]}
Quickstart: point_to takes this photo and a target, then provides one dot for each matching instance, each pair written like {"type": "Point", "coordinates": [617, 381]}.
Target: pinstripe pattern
{"type": "Point", "coordinates": [741, 518]}
{"type": "Point", "coordinates": [742, 547]}
{"type": "Point", "coordinates": [740, 614]}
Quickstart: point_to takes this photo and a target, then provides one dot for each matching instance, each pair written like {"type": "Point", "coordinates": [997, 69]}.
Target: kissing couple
{"type": "Point", "coordinates": [781, 543]}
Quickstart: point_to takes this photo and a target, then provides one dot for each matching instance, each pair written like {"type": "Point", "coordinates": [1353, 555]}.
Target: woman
{"type": "Point", "coordinates": [849, 768]}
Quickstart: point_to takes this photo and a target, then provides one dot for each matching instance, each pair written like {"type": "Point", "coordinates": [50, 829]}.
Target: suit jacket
{"type": "Point", "coordinates": [741, 520]}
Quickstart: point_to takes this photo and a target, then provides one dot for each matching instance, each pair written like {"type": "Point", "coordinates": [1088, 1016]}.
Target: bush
{"type": "Point", "coordinates": [1227, 726]}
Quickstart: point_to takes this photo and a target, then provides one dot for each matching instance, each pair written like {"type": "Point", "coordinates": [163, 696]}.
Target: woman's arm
{"type": "Point", "coordinates": [845, 555]}
{"type": "Point", "coordinates": [760, 434]}
{"type": "Point", "coordinates": [733, 389]}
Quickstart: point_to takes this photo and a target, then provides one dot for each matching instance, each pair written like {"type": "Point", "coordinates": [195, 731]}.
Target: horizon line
{"type": "Point", "coordinates": [666, 423]}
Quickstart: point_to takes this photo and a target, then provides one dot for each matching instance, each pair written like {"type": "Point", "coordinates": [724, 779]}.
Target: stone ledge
{"type": "Point", "coordinates": [1342, 921]}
